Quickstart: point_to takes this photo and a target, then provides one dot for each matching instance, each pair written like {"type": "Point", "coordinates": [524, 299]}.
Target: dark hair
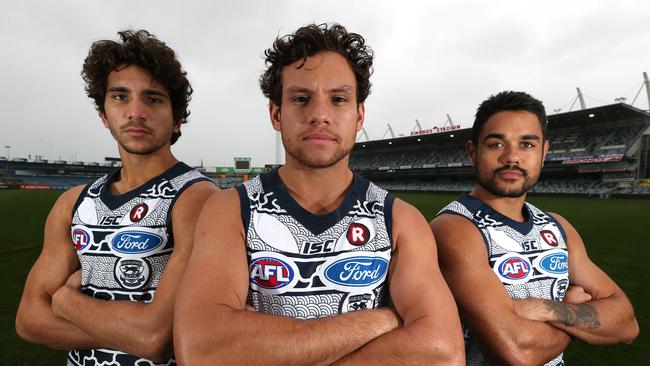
{"type": "Point", "coordinates": [142, 49]}
{"type": "Point", "coordinates": [507, 101]}
{"type": "Point", "coordinates": [308, 41]}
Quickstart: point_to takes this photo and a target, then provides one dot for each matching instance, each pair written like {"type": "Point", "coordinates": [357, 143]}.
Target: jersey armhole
{"type": "Point", "coordinates": [80, 199]}
{"type": "Point", "coordinates": [559, 226]}
{"type": "Point", "coordinates": [388, 216]}
{"type": "Point", "coordinates": [486, 241]}
{"type": "Point", "coordinates": [244, 206]}
{"type": "Point", "coordinates": [170, 212]}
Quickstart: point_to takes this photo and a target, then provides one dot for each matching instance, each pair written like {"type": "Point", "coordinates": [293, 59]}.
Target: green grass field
{"type": "Point", "coordinates": [616, 233]}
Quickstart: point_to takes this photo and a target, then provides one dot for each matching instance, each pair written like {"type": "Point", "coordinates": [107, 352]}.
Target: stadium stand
{"type": "Point", "coordinates": [595, 152]}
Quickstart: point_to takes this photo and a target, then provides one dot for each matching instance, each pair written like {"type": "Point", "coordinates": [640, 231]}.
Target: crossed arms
{"type": "Point", "coordinates": [531, 331]}
{"type": "Point", "coordinates": [55, 313]}
{"type": "Point", "coordinates": [212, 324]}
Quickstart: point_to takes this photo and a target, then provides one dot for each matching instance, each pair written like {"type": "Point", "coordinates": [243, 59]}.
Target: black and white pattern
{"type": "Point", "coordinates": [309, 266]}
{"type": "Point", "coordinates": [123, 244]}
{"type": "Point", "coordinates": [530, 258]}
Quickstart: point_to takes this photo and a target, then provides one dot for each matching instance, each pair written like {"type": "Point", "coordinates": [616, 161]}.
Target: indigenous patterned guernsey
{"type": "Point", "coordinates": [308, 266]}
{"type": "Point", "coordinates": [529, 258]}
{"type": "Point", "coordinates": [124, 243]}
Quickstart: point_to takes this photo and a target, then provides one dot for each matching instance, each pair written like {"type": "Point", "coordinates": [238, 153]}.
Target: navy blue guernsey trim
{"type": "Point", "coordinates": [170, 212]}
{"type": "Point", "coordinates": [244, 206]}
{"type": "Point", "coordinates": [317, 224]}
{"type": "Point", "coordinates": [474, 204]}
{"type": "Point", "coordinates": [559, 226]}
{"type": "Point", "coordinates": [114, 201]}
{"type": "Point", "coordinates": [80, 199]}
{"type": "Point", "coordinates": [388, 215]}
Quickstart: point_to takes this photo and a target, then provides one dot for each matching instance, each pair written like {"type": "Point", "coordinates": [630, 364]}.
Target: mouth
{"type": "Point", "coordinates": [510, 173]}
{"type": "Point", "coordinates": [319, 138]}
{"type": "Point", "coordinates": [136, 131]}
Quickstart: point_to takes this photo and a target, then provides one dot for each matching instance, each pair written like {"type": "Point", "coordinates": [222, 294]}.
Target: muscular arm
{"type": "Point", "coordinates": [35, 320]}
{"type": "Point", "coordinates": [143, 329]}
{"type": "Point", "coordinates": [431, 333]}
{"type": "Point", "coordinates": [608, 318]}
{"type": "Point", "coordinates": [486, 309]}
{"type": "Point", "coordinates": [212, 326]}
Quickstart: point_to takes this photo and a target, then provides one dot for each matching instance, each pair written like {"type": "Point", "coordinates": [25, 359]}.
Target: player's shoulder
{"type": "Point", "coordinates": [454, 231]}
{"type": "Point", "coordinates": [70, 197]}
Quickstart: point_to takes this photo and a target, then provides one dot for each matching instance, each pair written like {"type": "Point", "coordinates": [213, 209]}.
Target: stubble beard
{"type": "Point", "coordinates": [490, 183]}
{"type": "Point", "coordinates": [318, 161]}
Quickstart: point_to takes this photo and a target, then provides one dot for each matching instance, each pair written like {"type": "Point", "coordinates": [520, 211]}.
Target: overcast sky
{"type": "Point", "coordinates": [431, 58]}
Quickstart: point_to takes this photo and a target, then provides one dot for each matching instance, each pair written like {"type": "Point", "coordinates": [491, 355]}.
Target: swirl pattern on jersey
{"type": "Point", "coordinates": [310, 266]}
{"type": "Point", "coordinates": [530, 258]}
{"type": "Point", "coordinates": [123, 244]}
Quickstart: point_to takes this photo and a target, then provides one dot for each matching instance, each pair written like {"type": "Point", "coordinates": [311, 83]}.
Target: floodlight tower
{"type": "Point", "coordinates": [363, 133]}
{"type": "Point", "coordinates": [647, 87]}
{"type": "Point", "coordinates": [417, 127]}
{"type": "Point", "coordinates": [389, 130]}
{"type": "Point", "coordinates": [582, 99]}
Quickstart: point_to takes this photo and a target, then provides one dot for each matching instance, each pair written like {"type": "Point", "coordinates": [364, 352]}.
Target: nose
{"type": "Point", "coordinates": [510, 154]}
{"type": "Point", "coordinates": [136, 110]}
{"type": "Point", "coordinates": [319, 110]}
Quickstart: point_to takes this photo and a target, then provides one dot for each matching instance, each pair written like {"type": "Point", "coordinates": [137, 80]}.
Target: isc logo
{"type": "Point", "coordinates": [326, 246]}
{"type": "Point", "coordinates": [270, 273]}
{"type": "Point", "coordinates": [110, 220]}
{"type": "Point", "coordinates": [514, 268]}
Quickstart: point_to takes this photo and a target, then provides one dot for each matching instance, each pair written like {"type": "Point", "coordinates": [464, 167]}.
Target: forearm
{"type": "Point", "coordinates": [603, 321]}
{"type": "Point", "coordinates": [37, 323]}
{"type": "Point", "coordinates": [230, 336]}
{"type": "Point", "coordinates": [412, 344]}
{"type": "Point", "coordinates": [122, 325]}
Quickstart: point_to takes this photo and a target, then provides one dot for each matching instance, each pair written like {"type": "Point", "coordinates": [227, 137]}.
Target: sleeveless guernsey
{"type": "Point", "coordinates": [529, 258]}
{"type": "Point", "coordinates": [308, 266]}
{"type": "Point", "coordinates": [123, 243]}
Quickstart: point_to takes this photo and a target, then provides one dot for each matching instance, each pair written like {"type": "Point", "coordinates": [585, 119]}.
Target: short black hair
{"type": "Point", "coordinates": [508, 101]}
{"type": "Point", "coordinates": [142, 49]}
{"type": "Point", "coordinates": [308, 41]}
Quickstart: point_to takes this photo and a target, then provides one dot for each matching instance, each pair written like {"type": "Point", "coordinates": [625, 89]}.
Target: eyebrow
{"type": "Point", "coordinates": [501, 136]}
{"type": "Point", "coordinates": [121, 89]}
{"type": "Point", "coordinates": [338, 89]}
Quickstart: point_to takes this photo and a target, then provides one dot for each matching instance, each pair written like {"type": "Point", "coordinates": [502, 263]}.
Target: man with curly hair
{"type": "Point", "coordinates": [312, 264]}
{"type": "Point", "coordinates": [115, 250]}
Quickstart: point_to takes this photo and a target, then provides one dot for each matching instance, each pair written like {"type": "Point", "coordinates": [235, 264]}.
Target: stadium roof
{"type": "Point", "coordinates": [583, 117]}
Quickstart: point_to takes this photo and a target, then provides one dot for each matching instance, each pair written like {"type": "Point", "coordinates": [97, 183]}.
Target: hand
{"type": "Point", "coordinates": [576, 295]}
{"type": "Point", "coordinates": [61, 295]}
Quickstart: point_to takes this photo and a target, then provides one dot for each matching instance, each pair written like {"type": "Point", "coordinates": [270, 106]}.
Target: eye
{"type": "Point", "coordinates": [300, 99]}
{"type": "Point", "coordinates": [119, 97]}
{"type": "Point", "coordinates": [527, 145]}
{"type": "Point", "coordinates": [494, 145]}
{"type": "Point", "coordinates": [339, 99]}
{"type": "Point", "coordinates": [154, 100]}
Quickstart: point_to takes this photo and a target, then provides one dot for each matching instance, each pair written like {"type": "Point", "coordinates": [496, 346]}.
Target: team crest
{"type": "Point", "coordinates": [132, 273]}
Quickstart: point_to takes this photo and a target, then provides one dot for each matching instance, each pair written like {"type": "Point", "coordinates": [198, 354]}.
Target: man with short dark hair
{"type": "Point", "coordinates": [114, 250]}
{"type": "Point", "coordinates": [521, 277]}
{"type": "Point", "coordinates": [315, 250]}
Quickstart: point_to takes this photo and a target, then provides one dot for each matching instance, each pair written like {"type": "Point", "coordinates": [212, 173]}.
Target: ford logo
{"type": "Point", "coordinates": [136, 242]}
{"type": "Point", "coordinates": [357, 271]}
{"type": "Point", "coordinates": [270, 273]}
{"type": "Point", "coordinates": [557, 263]}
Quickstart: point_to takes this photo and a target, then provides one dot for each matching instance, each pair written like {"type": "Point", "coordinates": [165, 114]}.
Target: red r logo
{"type": "Point", "coordinates": [358, 234]}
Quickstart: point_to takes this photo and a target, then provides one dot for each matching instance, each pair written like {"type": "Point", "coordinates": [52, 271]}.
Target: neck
{"type": "Point", "coordinates": [317, 190]}
{"type": "Point", "coordinates": [138, 169]}
{"type": "Point", "coordinates": [511, 207]}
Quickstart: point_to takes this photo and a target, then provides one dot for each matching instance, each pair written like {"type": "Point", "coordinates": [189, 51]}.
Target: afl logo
{"type": "Point", "coordinates": [358, 234]}
{"type": "Point", "coordinates": [357, 271]}
{"type": "Point", "coordinates": [139, 212]}
{"type": "Point", "coordinates": [136, 242]}
{"type": "Point", "coordinates": [556, 263]}
{"type": "Point", "coordinates": [270, 273]}
{"type": "Point", "coordinates": [80, 238]}
{"type": "Point", "coordinates": [514, 268]}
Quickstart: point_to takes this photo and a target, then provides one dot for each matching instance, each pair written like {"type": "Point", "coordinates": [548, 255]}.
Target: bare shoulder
{"type": "Point", "coordinates": [62, 209]}
{"type": "Point", "coordinates": [449, 229]}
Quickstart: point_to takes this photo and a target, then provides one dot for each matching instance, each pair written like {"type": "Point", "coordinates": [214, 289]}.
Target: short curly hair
{"type": "Point", "coordinates": [308, 41]}
{"type": "Point", "coordinates": [142, 49]}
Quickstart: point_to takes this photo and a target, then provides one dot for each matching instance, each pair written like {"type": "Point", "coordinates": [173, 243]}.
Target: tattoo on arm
{"type": "Point", "coordinates": [574, 315]}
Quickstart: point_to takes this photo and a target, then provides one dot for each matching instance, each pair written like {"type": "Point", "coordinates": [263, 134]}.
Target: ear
{"type": "Point", "coordinates": [177, 127]}
{"type": "Point", "coordinates": [102, 116]}
{"type": "Point", "coordinates": [545, 148]}
{"type": "Point", "coordinates": [471, 150]}
{"type": "Point", "coordinates": [274, 113]}
{"type": "Point", "coordinates": [361, 115]}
